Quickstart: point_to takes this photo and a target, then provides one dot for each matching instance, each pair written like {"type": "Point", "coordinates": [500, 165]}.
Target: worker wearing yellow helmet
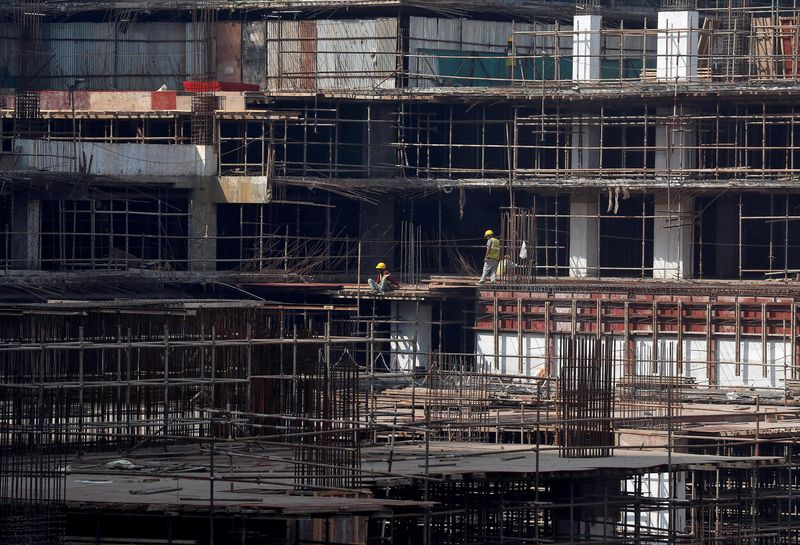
{"type": "Point", "coordinates": [383, 282]}
{"type": "Point", "coordinates": [492, 257]}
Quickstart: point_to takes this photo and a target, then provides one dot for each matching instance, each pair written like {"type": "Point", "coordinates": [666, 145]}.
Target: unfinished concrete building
{"type": "Point", "coordinates": [193, 194]}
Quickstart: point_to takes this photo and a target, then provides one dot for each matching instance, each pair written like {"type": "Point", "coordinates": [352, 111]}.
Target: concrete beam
{"type": "Point", "coordinates": [673, 236]}
{"type": "Point", "coordinates": [241, 189]}
{"type": "Point", "coordinates": [584, 231]}
{"type": "Point", "coordinates": [118, 159]}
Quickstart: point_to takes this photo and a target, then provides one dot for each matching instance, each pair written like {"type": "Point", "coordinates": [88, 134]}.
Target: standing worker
{"type": "Point", "coordinates": [492, 257]}
{"type": "Point", "coordinates": [383, 282]}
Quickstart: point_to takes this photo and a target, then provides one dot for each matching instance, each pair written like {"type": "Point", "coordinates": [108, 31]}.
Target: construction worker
{"type": "Point", "coordinates": [383, 282]}
{"type": "Point", "coordinates": [491, 258]}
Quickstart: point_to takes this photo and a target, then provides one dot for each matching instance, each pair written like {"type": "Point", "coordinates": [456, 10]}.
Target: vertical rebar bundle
{"type": "Point", "coordinates": [33, 422]}
{"type": "Point", "coordinates": [586, 397]}
{"type": "Point", "coordinates": [326, 445]}
{"type": "Point", "coordinates": [28, 122]}
{"type": "Point", "coordinates": [204, 102]}
{"type": "Point", "coordinates": [410, 252]}
{"type": "Point", "coordinates": [459, 399]}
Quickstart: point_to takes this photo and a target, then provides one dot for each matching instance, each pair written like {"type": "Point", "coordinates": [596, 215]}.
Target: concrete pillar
{"type": "Point", "coordinates": [376, 226]}
{"type": "Point", "coordinates": [585, 152]}
{"type": "Point", "coordinates": [27, 234]}
{"type": "Point", "coordinates": [586, 49]}
{"type": "Point", "coordinates": [379, 155]}
{"type": "Point", "coordinates": [413, 326]}
{"type": "Point", "coordinates": [585, 148]}
{"type": "Point", "coordinates": [726, 230]}
{"type": "Point", "coordinates": [592, 521]}
{"type": "Point", "coordinates": [673, 235]}
{"type": "Point", "coordinates": [584, 246]}
{"type": "Point", "coordinates": [202, 232]}
{"type": "Point", "coordinates": [676, 45]}
{"type": "Point", "coordinates": [676, 143]}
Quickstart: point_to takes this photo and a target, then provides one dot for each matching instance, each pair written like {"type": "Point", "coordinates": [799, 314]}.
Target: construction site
{"type": "Point", "coordinates": [195, 193]}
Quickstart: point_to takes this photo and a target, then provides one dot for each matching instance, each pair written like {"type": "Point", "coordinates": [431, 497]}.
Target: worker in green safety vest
{"type": "Point", "coordinates": [491, 258]}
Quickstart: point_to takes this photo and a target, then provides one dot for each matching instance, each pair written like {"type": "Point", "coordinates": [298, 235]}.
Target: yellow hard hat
{"type": "Point", "coordinates": [488, 233]}
{"type": "Point", "coordinates": [380, 265]}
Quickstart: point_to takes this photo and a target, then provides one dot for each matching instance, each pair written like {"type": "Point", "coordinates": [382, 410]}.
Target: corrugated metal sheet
{"type": "Point", "coordinates": [356, 54]}
{"type": "Point", "coordinates": [150, 55]}
{"type": "Point", "coordinates": [198, 57]}
{"type": "Point", "coordinates": [254, 53]}
{"type": "Point", "coordinates": [331, 54]}
{"type": "Point", "coordinates": [291, 59]}
{"type": "Point", "coordinates": [447, 52]}
{"type": "Point", "coordinates": [79, 50]}
{"type": "Point", "coordinates": [140, 56]}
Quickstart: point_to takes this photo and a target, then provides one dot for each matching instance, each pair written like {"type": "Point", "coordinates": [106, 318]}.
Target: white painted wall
{"type": "Point", "coordinates": [119, 159]}
{"type": "Point", "coordinates": [694, 358]}
{"type": "Point", "coordinates": [411, 325]}
{"type": "Point", "coordinates": [751, 369]}
{"type": "Point", "coordinates": [657, 485]}
{"type": "Point", "coordinates": [533, 354]}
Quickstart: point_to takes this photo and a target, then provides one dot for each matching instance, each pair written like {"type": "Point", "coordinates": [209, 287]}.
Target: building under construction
{"type": "Point", "coordinates": [194, 193]}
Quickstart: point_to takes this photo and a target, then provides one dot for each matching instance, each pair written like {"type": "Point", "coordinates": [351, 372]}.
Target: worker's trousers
{"type": "Point", "coordinates": [379, 288]}
{"type": "Point", "coordinates": [490, 269]}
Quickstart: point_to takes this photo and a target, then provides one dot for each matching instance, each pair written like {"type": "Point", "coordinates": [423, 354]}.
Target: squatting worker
{"type": "Point", "coordinates": [492, 257]}
{"type": "Point", "coordinates": [383, 281]}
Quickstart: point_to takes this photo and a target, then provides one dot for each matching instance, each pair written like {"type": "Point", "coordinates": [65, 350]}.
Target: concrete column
{"type": "Point", "coordinates": [585, 152]}
{"type": "Point", "coordinates": [676, 143]}
{"type": "Point", "coordinates": [585, 147]}
{"type": "Point", "coordinates": [676, 45]}
{"type": "Point", "coordinates": [673, 235]}
{"type": "Point", "coordinates": [415, 327]}
{"type": "Point", "coordinates": [27, 234]}
{"type": "Point", "coordinates": [586, 49]}
{"type": "Point", "coordinates": [584, 247]}
{"type": "Point", "coordinates": [726, 229]}
{"type": "Point", "coordinates": [376, 228]}
{"type": "Point", "coordinates": [585, 522]}
{"type": "Point", "coordinates": [202, 232]}
{"type": "Point", "coordinates": [379, 155]}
